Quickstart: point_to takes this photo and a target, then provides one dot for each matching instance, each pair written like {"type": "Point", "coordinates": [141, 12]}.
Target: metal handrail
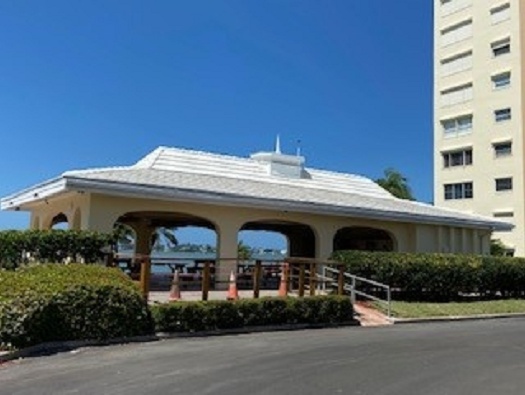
{"type": "Point", "coordinates": [352, 288]}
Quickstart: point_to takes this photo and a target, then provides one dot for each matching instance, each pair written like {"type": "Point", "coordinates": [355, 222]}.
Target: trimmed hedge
{"type": "Point", "coordinates": [23, 246]}
{"type": "Point", "coordinates": [213, 315]}
{"type": "Point", "coordinates": [439, 277]}
{"type": "Point", "coordinates": [69, 302]}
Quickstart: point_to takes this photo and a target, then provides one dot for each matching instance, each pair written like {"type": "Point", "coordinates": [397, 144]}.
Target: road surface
{"type": "Point", "coordinates": [477, 357]}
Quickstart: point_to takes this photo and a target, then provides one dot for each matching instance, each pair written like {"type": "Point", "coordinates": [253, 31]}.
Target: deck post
{"type": "Point", "coordinates": [313, 278]}
{"type": "Point", "coordinates": [341, 281]}
{"type": "Point", "coordinates": [301, 279]}
{"type": "Point", "coordinates": [257, 279]}
{"type": "Point", "coordinates": [145, 274]}
{"type": "Point", "coordinates": [206, 280]}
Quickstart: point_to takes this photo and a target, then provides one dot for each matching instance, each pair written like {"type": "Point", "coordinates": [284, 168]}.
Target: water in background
{"type": "Point", "coordinates": [189, 258]}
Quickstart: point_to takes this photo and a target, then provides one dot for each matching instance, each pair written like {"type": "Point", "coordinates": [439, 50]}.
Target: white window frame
{"type": "Point", "coordinates": [456, 33]}
{"type": "Point", "coordinates": [459, 191]}
{"type": "Point", "coordinates": [502, 153]}
{"type": "Point", "coordinates": [498, 45]}
{"type": "Point", "coordinates": [497, 80]}
{"type": "Point", "coordinates": [463, 124]}
{"type": "Point", "coordinates": [504, 188]}
{"type": "Point", "coordinates": [500, 13]}
{"type": "Point", "coordinates": [503, 115]}
{"type": "Point", "coordinates": [456, 63]}
{"type": "Point", "coordinates": [457, 94]}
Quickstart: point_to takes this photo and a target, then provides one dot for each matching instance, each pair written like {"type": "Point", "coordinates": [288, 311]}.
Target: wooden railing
{"type": "Point", "coordinates": [302, 274]}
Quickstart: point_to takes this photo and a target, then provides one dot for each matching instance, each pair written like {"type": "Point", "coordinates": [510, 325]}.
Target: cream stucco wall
{"type": "Point", "coordinates": [486, 167]}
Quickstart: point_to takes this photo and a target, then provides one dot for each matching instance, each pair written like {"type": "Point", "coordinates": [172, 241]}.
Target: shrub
{"type": "Point", "coordinates": [201, 316]}
{"type": "Point", "coordinates": [69, 302]}
{"type": "Point", "coordinates": [17, 247]}
{"type": "Point", "coordinates": [438, 277]}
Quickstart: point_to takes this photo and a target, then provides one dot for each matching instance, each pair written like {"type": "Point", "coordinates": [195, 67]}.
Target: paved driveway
{"type": "Point", "coordinates": [483, 357]}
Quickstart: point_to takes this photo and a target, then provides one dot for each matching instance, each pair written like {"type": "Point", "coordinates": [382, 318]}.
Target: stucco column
{"type": "Point", "coordinates": [476, 245]}
{"type": "Point", "coordinates": [324, 242]}
{"type": "Point", "coordinates": [143, 238]}
{"type": "Point", "coordinates": [226, 250]}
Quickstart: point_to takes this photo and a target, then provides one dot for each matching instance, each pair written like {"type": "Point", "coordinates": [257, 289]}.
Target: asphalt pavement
{"type": "Point", "coordinates": [474, 357]}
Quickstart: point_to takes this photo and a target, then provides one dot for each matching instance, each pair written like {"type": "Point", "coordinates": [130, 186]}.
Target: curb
{"type": "Point", "coordinates": [64, 346]}
{"type": "Point", "coordinates": [45, 349]}
{"type": "Point", "coordinates": [458, 318]}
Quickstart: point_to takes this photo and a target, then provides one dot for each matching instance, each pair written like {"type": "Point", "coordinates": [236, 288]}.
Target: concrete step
{"type": "Point", "coordinates": [367, 315]}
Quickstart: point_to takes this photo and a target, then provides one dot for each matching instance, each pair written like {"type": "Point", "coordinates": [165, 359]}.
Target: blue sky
{"type": "Point", "coordinates": [98, 83]}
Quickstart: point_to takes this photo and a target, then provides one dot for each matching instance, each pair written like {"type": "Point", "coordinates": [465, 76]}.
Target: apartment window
{"type": "Point", "coordinates": [456, 95]}
{"type": "Point", "coordinates": [456, 33]}
{"type": "Point", "coordinates": [502, 115]}
{"type": "Point", "coordinates": [462, 190]}
{"type": "Point", "coordinates": [500, 13]}
{"type": "Point", "coordinates": [503, 214]}
{"type": "Point", "coordinates": [457, 158]}
{"type": "Point", "coordinates": [501, 47]}
{"type": "Point", "coordinates": [456, 63]}
{"type": "Point", "coordinates": [502, 149]}
{"type": "Point", "coordinates": [501, 81]}
{"type": "Point", "coordinates": [504, 184]}
{"type": "Point", "coordinates": [457, 126]}
{"type": "Point", "coordinates": [450, 6]}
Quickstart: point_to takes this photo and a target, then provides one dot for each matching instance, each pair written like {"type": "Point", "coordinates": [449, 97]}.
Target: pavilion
{"type": "Point", "coordinates": [317, 211]}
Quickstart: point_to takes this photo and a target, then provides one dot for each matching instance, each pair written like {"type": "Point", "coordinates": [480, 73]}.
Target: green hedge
{"type": "Point", "coordinates": [69, 302]}
{"type": "Point", "coordinates": [22, 246]}
{"type": "Point", "coordinates": [439, 277]}
{"type": "Point", "coordinates": [213, 315]}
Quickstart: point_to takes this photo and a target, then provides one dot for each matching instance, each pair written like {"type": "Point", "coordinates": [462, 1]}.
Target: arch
{"type": "Point", "coordinates": [151, 226]}
{"type": "Point", "coordinates": [59, 221]}
{"type": "Point", "coordinates": [364, 239]}
{"type": "Point", "coordinates": [301, 238]}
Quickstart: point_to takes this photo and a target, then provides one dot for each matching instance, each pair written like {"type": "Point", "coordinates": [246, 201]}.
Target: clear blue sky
{"type": "Point", "coordinates": [98, 83]}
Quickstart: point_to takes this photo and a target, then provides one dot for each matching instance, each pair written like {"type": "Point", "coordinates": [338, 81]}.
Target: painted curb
{"type": "Point", "coordinates": [459, 318]}
{"type": "Point", "coordinates": [56, 347]}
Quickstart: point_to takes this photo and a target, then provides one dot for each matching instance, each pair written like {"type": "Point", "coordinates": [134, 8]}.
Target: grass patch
{"type": "Point", "coordinates": [423, 310]}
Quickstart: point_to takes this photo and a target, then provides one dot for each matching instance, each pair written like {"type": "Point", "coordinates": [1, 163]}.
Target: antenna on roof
{"type": "Point", "coordinates": [298, 152]}
{"type": "Point", "coordinates": [277, 145]}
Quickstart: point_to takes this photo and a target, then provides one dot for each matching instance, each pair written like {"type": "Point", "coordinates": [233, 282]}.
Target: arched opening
{"type": "Point", "coordinates": [363, 239]}
{"type": "Point", "coordinates": [300, 238]}
{"type": "Point", "coordinates": [59, 221]}
{"type": "Point", "coordinates": [175, 241]}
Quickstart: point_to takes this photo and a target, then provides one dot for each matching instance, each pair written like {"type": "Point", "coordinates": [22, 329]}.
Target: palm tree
{"type": "Point", "coordinates": [124, 234]}
{"type": "Point", "coordinates": [395, 183]}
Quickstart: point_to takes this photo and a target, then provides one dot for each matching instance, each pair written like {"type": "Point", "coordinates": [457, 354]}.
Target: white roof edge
{"type": "Point", "coordinates": [35, 193]}
{"type": "Point", "coordinates": [125, 189]}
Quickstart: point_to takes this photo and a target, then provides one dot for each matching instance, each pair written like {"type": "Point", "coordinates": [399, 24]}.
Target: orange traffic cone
{"type": "Point", "coordinates": [283, 286]}
{"type": "Point", "coordinates": [233, 293]}
{"type": "Point", "coordinates": [175, 289]}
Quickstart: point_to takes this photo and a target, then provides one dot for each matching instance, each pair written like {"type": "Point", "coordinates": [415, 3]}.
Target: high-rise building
{"type": "Point", "coordinates": [479, 105]}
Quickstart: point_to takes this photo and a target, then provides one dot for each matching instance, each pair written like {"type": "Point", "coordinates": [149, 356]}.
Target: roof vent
{"type": "Point", "coordinates": [280, 164]}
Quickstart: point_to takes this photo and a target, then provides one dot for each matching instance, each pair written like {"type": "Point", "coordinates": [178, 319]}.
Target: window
{"type": "Point", "coordinates": [504, 184]}
{"type": "Point", "coordinates": [456, 33]}
{"type": "Point", "coordinates": [502, 149]}
{"type": "Point", "coordinates": [457, 158]}
{"type": "Point", "coordinates": [456, 63]}
{"type": "Point", "coordinates": [504, 114]}
{"type": "Point", "coordinates": [504, 214]}
{"type": "Point", "coordinates": [457, 126]}
{"type": "Point", "coordinates": [501, 47]}
{"type": "Point", "coordinates": [500, 13]}
{"type": "Point", "coordinates": [450, 6]}
{"type": "Point", "coordinates": [462, 190]}
{"type": "Point", "coordinates": [456, 95]}
{"type": "Point", "coordinates": [501, 81]}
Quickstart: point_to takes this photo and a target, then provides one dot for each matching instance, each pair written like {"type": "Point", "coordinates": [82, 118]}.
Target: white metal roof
{"type": "Point", "coordinates": [180, 174]}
